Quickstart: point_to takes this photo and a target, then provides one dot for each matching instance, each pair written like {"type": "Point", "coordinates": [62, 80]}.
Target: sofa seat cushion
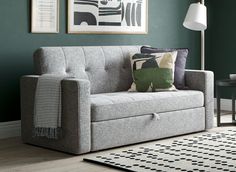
{"type": "Point", "coordinates": [110, 106]}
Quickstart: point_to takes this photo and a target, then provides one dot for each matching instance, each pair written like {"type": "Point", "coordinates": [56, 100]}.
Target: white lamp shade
{"type": "Point", "coordinates": [196, 17]}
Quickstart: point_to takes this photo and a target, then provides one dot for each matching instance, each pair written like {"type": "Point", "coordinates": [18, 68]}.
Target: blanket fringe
{"type": "Point", "coordinates": [50, 133]}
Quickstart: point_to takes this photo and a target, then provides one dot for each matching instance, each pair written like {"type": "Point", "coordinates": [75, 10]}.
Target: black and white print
{"type": "Point", "coordinates": [45, 16]}
{"type": "Point", "coordinates": [121, 16]}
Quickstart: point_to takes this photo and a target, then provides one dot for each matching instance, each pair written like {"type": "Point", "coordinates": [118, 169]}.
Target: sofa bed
{"type": "Point", "coordinates": [97, 110]}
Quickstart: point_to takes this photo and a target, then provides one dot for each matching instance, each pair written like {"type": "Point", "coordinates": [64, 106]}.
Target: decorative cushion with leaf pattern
{"type": "Point", "coordinates": [153, 72]}
{"type": "Point", "coordinates": [180, 62]}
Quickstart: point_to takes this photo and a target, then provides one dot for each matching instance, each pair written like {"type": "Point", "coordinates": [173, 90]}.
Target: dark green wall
{"type": "Point", "coordinates": [17, 44]}
{"type": "Point", "coordinates": [221, 39]}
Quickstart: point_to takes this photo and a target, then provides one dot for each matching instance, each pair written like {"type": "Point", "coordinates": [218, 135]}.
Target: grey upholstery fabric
{"type": "Point", "coordinates": [107, 68]}
{"type": "Point", "coordinates": [203, 81]}
{"type": "Point", "coordinates": [76, 102]}
{"type": "Point", "coordinates": [108, 106]}
{"type": "Point", "coordinates": [108, 134]}
{"type": "Point", "coordinates": [76, 134]}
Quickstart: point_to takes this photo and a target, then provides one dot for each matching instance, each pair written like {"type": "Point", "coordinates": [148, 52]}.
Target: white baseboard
{"type": "Point", "coordinates": [226, 104]}
{"type": "Point", "coordinates": [10, 129]}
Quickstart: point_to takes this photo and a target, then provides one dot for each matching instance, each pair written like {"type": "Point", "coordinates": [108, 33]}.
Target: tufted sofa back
{"type": "Point", "coordinates": [106, 67]}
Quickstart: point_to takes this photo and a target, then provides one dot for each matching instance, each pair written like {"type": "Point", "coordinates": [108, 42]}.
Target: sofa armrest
{"type": "Point", "coordinates": [203, 81]}
{"type": "Point", "coordinates": [76, 102]}
{"type": "Point", "coordinates": [28, 85]}
{"type": "Point", "coordinates": [75, 117]}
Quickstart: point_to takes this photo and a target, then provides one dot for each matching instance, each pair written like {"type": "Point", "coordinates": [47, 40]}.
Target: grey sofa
{"type": "Point", "coordinates": [98, 112]}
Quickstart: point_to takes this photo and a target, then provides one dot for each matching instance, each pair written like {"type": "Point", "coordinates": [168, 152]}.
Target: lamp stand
{"type": "Point", "coordinates": [203, 45]}
{"type": "Point", "coordinates": [202, 50]}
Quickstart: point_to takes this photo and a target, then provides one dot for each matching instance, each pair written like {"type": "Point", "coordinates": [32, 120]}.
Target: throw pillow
{"type": "Point", "coordinates": [179, 80]}
{"type": "Point", "coordinates": [153, 72]}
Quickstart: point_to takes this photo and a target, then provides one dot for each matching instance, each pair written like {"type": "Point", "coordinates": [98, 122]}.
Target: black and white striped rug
{"type": "Point", "coordinates": [213, 152]}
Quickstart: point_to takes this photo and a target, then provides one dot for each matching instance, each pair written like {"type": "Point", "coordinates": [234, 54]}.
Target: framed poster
{"type": "Point", "coordinates": [108, 16]}
{"type": "Point", "coordinates": [45, 16]}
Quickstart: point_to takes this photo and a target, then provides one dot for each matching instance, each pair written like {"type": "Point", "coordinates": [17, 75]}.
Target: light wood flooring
{"type": "Point", "coordinates": [18, 157]}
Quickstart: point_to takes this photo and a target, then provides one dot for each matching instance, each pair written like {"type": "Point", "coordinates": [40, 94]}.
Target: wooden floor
{"type": "Point", "coordinates": [19, 157]}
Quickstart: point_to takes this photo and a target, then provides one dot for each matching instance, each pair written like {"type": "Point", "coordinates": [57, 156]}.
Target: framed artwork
{"type": "Point", "coordinates": [45, 16]}
{"type": "Point", "coordinates": [108, 16]}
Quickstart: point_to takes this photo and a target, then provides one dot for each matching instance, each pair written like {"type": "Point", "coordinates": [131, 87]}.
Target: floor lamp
{"type": "Point", "coordinates": [196, 19]}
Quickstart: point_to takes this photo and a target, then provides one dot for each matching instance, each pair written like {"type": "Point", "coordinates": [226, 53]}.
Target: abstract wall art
{"type": "Point", "coordinates": [108, 16]}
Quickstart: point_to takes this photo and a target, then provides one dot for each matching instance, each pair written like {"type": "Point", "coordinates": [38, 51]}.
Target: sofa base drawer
{"type": "Point", "coordinates": [113, 133]}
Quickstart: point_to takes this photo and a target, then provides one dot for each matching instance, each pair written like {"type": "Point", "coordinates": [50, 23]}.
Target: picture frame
{"type": "Point", "coordinates": [107, 17]}
{"type": "Point", "coordinates": [45, 16]}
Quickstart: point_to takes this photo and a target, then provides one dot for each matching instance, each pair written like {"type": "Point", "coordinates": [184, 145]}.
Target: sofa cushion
{"type": "Point", "coordinates": [153, 72]}
{"type": "Point", "coordinates": [109, 106]}
{"type": "Point", "coordinates": [179, 63]}
{"type": "Point", "coordinates": [106, 67]}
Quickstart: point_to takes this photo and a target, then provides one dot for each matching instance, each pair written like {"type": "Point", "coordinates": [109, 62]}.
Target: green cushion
{"type": "Point", "coordinates": [153, 72]}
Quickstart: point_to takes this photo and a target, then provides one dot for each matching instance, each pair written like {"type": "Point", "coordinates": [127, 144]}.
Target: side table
{"type": "Point", "coordinates": [225, 83]}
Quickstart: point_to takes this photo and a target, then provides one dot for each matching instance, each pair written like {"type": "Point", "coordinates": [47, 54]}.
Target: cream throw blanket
{"type": "Point", "coordinates": [47, 109]}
